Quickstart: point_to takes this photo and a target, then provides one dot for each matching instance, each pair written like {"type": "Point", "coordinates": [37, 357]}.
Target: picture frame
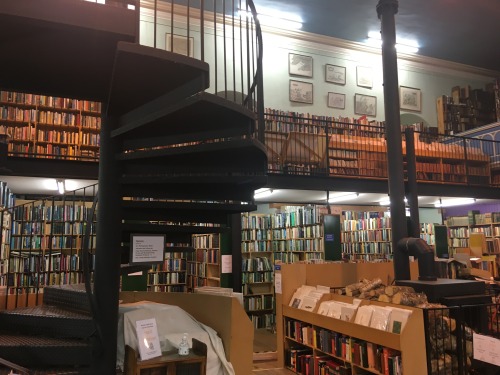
{"type": "Point", "coordinates": [336, 100]}
{"type": "Point", "coordinates": [365, 105]}
{"type": "Point", "coordinates": [410, 99]}
{"type": "Point", "coordinates": [300, 65]}
{"type": "Point", "coordinates": [335, 74]}
{"type": "Point", "coordinates": [301, 92]}
{"type": "Point", "coordinates": [180, 43]}
{"type": "Point", "coordinates": [364, 76]}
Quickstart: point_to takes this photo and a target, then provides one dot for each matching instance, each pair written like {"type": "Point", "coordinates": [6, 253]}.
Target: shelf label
{"type": "Point", "coordinates": [277, 283]}
{"type": "Point", "coordinates": [227, 264]}
{"type": "Point", "coordinates": [486, 349]}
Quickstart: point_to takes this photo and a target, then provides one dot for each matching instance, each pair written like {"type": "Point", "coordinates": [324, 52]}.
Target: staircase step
{"type": "Point", "coordinates": [71, 297]}
{"type": "Point", "coordinates": [47, 320]}
{"type": "Point", "coordinates": [196, 186]}
{"type": "Point", "coordinates": [182, 211]}
{"type": "Point", "coordinates": [141, 227]}
{"type": "Point", "coordinates": [188, 116]}
{"type": "Point", "coordinates": [150, 75]}
{"type": "Point", "coordinates": [28, 351]}
{"type": "Point", "coordinates": [238, 155]}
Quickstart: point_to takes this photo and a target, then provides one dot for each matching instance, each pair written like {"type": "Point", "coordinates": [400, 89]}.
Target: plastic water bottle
{"type": "Point", "coordinates": [184, 345]}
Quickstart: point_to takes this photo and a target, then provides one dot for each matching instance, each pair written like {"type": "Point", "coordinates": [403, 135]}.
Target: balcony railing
{"type": "Point", "coordinates": [318, 146]}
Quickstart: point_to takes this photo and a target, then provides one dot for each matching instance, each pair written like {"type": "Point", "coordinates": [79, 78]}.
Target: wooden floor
{"type": "Point", "coordinates": [265, 354]}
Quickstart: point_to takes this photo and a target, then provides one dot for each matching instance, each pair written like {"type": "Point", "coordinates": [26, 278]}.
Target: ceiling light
{"type": "Point", "coordinates": [262, 193]}
{"type": "Point", "coordinates": [454, 202]}
{"type": "Point", "coordinates": [273, 18]}
{"type": "Point", "coordinates": [387, 201]}
{"type": "Point", "coordinates": [402, 45]}
{"type": "Point", "coordinates": [60, 186]}
{"type": "Point", "coordinates": [342, 197]}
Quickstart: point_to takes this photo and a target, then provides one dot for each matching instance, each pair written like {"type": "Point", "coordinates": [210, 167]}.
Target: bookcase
{"type": "Point", "coordinates": [366, 235]}
{"type": "Point", "coordinates": [409, 344]}
{"type": "Point", "coordinates": [203, 265]}
{"type": "Point", "coordinates": [45, 244]}
{"type": "Point", "coordinates": [50, 127]}
{"type": "Point", "coordinates": [461, 227]}
{"type": "Point", "coordinates": [6, 203]}
{"type": "Point", "coordinates": [169, 276]}
{"type": "Point", "coordinates": [292, 235]}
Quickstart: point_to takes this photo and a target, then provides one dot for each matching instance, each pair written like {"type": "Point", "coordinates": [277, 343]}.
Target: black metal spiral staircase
{"type": "Point", "coordinates": [164, 138]}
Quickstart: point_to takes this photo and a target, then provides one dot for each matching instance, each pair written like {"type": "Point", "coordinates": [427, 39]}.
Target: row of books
{"type": "Point", "coordinates": [54, 263]}
{"type": "Point", "coordinates": [48, 242]}
{"type": "Point", "coordinates": [263, 320]}
{"type": "Point", "coordinates": [291, 217]}
{"type": "Point", "coordinates": [40, 227]}
{"type": "Point", "coordinates": [262, 302]}
{"type": "Point", "coordinates": [367, 248]}
{"type": "Point", "coordinates": [198, 269]}
{"type": "Point", "coordinates": [298, 232]}
{"type": "Point", "coordinates": [208, 241]}
{"type": "Point", "coordinates": [49, 101]}
{"type": "Point", "coordinates": [368, 235]}
{"type": "Point", "coordinates": [364, 224]}
{"type": "Point", "coordinates": [173, 264]}
{"type": "Point", "coordinates": [167, 278]}
{"type": "Point", "coordinates": [256, 264]}
{"type": "Point", "coordinates": [41, 212]}
{"type": "Point", "coordinates": [7, 199]}
{"type": "Point", "coordinates": [33, 116]}
{"type": "Point", "coordinates": [257, 277]}
{"type": "Point", "coordinates": [206, 256]}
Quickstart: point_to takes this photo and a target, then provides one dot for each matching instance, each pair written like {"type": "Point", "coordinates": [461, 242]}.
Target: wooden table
{"type": "Point", "coordinates": [170, 363]}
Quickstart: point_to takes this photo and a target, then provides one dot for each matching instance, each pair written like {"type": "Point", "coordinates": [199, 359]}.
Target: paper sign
{"type": "Point", "coordinates": [227, 264]}
{"type": "Point", "coordinates": [486, 349]}
{"type": "Point", "coordinates": [277, 283]}
{"type": "Point", "coordinates": [147, 337]}
{"type": "Point", "coordinates": [147, 249]}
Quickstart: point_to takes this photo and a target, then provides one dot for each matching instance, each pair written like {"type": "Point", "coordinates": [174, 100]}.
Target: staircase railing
{"type": "Point", "coordinates": [224, 33]}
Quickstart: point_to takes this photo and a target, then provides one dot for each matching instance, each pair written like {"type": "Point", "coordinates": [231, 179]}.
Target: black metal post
{"type": "Point", "coordinates": [235, 223]}
{"type": "Point", "coordinates": [386, 9]}
{"type": "Point", "coordinates": [411, 191]}
{"type": "Point", "coordinates": [108, 250]}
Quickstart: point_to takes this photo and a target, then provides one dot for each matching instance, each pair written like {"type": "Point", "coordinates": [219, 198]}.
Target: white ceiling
{"type": "Point", "coordinates": [42, 186]}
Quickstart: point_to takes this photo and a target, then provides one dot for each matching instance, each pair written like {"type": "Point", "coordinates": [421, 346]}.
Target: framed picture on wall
{"type": "Point", "coordinates": [335, 74]}
{"type": "Point", "coordinates": [410, 99]}
{"type": "Point", "coordinates": [364, 76]}
{"type": "Point", "coordinates": [301, 92]}
{"type": "Point", "coordinates": [336, 100]}
{"type": "Point", "coordinates": [181, 45]}
{"type": "Point", "coordinates": [365, 105]}
{"type": "Point", "coordinates": [300, 65]}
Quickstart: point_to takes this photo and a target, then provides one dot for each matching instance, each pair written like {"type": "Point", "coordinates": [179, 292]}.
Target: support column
{"type": "Point", "coordinates": [411, 191]}
{"type": "Point", "coordinates": [108, 250]}
{"type": "Point", "coordinates": [386, 9]}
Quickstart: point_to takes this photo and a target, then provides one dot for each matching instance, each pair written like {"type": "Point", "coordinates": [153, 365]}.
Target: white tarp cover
{"type": "Point", "coordinates": [172, 323]}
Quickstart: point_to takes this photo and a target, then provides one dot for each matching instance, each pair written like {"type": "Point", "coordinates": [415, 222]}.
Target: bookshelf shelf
{"type": "Point", "coordinates": [305, 335]}
{"type": "Point", "coordinates": [203, 265]}
{"type": "Point", "coordinates": [49, 126]}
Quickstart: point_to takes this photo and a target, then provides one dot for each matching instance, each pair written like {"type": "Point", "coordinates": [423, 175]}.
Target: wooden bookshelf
{"type": "Point", "coordinates": [45, 244]}
{"type": "Point", "coordinates": [6, 203]}
{"type": "Point", "coordinates": [366, 235]}
{"type": "Point", "coordinates": [410, 344]}
{"type": "Point", "coordinates": [203, 265]}
{"type": "Point", "coordinates": [169, 276]}
{"type": "Point", "coordinates": [294, 234]}
{"type": "Point", "coordinates": [50, 127]}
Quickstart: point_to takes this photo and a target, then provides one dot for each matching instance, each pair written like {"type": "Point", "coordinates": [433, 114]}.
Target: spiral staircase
{"type": "Point", "coordinates": [172, 155]}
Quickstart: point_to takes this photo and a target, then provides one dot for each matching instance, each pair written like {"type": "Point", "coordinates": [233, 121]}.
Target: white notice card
{"type": "Point", "coordinates": [147, 337]}
{"type": "Point", "coordinates": [486, 349]}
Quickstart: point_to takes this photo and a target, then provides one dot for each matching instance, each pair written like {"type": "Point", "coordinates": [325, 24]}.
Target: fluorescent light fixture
{"type": "Point", "coordinates": [262, 193]}
{"type": "Point", "coordinates": [387, 201]}
{"type": "Point", "coordinates": [402, 45]}
{"type": "Point", "coordinates": [454, 202]}
{"type": "Point", "coordinates": [60, 186]}
{"type": "Point", "coordinates": [274, 18]}
{"type": "Point", "coordinates": [340, 197]}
